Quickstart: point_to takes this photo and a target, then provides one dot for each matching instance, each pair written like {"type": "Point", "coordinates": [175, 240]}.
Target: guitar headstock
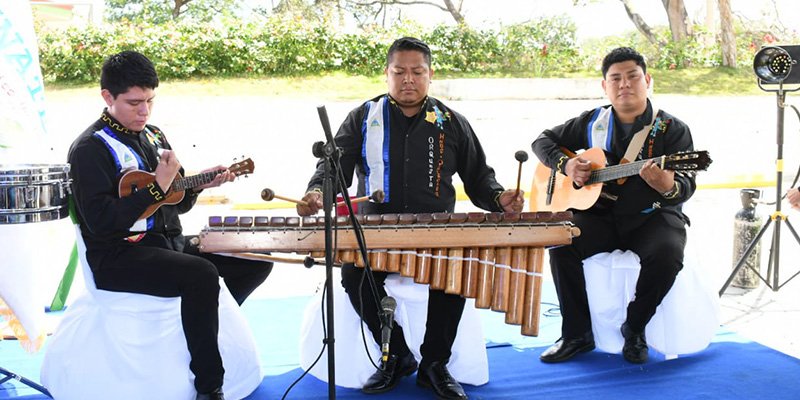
{"type": "Point", "coordinates": [243, 167]}
{"type": "Point", "coordinates": [688, 161]}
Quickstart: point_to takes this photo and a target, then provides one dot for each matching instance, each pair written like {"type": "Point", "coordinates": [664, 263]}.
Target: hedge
{"type": "Point", "coordinates": [279, 47]}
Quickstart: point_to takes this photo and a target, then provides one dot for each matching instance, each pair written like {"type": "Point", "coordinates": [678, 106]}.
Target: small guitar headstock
{"type": "Point", "coordinates": [243, 167]}
{"type": "Point", "coordinates": [688, 161]}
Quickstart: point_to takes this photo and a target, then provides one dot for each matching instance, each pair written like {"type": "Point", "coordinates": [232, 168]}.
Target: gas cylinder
{"type": "Point", "coordinates": [746, 225]}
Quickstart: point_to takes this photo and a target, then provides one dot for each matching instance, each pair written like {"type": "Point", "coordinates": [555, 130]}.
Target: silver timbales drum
{"type": "Point", "coordinates": [33, 192]}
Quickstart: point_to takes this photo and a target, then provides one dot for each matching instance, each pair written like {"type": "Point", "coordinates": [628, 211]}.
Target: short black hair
{"type": "Point", "coordinates": [622, 54]}
{"type": "Point", "coordinates": [125, 70]}
{"type": "Point", "coordinates": [409, 43]}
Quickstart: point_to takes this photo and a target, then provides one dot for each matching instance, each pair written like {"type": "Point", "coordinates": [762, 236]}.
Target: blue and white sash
{"type": "Point", "coordinates": [375, 147]}
{"type": "Point", "coordinates": [126, 159]}
{"type": "Point", "coordinates": [601, 128]}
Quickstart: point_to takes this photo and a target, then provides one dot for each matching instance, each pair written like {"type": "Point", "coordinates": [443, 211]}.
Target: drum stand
{"type": "Point", "coordinates": [772, 279]}
{"type": "Point", "coordinates": [11, 375]}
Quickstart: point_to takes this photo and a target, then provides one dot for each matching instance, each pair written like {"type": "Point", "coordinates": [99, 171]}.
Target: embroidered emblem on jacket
{"type": "Point", "coordinates": [436, 117]}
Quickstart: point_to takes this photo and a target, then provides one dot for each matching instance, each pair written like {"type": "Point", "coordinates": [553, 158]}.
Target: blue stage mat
{"type": "Point", "coordinates": [731, 367]}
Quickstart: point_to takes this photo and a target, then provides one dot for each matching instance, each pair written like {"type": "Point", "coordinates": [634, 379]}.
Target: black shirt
{"type": "Point", "coordinates": [424, 152]}
{"type": "Point", "coordinates": [105, 218]}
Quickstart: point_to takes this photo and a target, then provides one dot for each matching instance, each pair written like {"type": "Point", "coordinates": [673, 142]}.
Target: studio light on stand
{"type": "Point", "coordinates": [773, 67]}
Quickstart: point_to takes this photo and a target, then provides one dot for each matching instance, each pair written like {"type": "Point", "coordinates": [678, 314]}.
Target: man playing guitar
{"type": "Point", "coordinates": [130, 250]}
{"type": "Point", "coordinates": [642, 214]}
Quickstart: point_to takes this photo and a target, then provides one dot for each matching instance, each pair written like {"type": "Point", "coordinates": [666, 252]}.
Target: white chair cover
{"type": "Point", "coordinates": [126, 346]}
{"type": "Point", "coordinates": [685, 322]}
{"type": "Point", "coordinates": [468, 362]}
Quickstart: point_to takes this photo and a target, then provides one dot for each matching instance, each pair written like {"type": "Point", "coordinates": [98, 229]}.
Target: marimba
{"type": "Point", "coordinates": [495, 258]}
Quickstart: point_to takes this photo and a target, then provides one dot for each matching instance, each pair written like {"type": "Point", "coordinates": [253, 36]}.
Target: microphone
{"type": "Point", "coordinates": [388, 304]}
{"type": "Point", "coordinates": [329, 147]}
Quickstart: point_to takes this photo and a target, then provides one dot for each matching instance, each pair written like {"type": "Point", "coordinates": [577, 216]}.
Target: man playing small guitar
{"type": "Point", "coordinates": [134, 180]}
{"type": "Point", "coordinates": [642, 213]}
{"type": "Point", "coordinates": [130, 250]}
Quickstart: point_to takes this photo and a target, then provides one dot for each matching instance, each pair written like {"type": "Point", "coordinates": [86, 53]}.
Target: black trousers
{"type": "Point", "coordinates": [659, 241]}
{"type": "Point", "coordinates": [194, 277]}
{"type": "Point", "coordinates": [441, 326]}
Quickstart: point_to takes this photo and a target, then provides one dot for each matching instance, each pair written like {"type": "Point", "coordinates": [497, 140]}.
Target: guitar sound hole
{"type": "Point", "coordinates": [576, 186]}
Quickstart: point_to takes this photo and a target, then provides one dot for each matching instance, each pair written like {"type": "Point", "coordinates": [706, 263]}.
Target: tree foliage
{"type": "Point", "coordinates": [163, 11]}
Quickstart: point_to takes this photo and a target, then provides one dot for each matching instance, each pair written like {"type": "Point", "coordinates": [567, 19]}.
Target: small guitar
{"type": "Point", "coordinates": [566, 194]}
{"type": "Point", "coordinates": [135, 180]}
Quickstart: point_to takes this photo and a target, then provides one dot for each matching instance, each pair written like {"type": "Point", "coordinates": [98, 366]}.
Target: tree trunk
{"type": "Point", "coordinates": [642, 26]}
{"type": "Point", "coordinates": [678, 19]}
{"type": "Point", "coordinates": [727, 36]}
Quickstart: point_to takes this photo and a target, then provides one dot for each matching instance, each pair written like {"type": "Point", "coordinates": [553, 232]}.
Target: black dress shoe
{"type": "Point", "coordinates": [635, 348]}
{"type": "Point", "coordinates": [389, 375]}
{"type": "Point", "coordinates": [564, 349]}
{"type": "Point", "coordinates": [436, 376]}
{"type": "Point", "coordinates": [215, 395]}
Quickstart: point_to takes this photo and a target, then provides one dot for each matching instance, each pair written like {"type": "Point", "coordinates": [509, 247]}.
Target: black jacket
{"type": "Point", "coordinates": [635, 196]}
{"type": "Point", "coordinates": [104, 217]}
{"type": "Point", "coordinates": [424, 154]}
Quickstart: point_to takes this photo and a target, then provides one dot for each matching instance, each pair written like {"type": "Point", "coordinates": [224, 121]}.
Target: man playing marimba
{"type": "Point", "coordinates": [410, 145]}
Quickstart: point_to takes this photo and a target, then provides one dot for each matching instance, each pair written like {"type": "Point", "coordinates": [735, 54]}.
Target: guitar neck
{"type": "Point", "coordinates": [618, 171]}
{"type": "Point", "coordinates": [193, 181]}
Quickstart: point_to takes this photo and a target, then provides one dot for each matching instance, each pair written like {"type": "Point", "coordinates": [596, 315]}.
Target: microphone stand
{"type": "Point", "coordinates": [329, 154]}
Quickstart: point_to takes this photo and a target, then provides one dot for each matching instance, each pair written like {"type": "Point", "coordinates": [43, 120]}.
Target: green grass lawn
{"type": "Point", "coordinates": [338, 86]}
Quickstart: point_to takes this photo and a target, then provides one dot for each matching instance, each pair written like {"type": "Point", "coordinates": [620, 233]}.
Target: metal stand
{"type": "Point", "coordinates": [329, 154]}
{"type": "Point", "coordinates": [772, 278]}
{"type": "Point", "coordinates": [11, 375]}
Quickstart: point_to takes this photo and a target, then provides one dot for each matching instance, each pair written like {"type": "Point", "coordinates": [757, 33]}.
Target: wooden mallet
{"type": "Point", "coordinates": [268, 195]}
{"type": "Point", "coordinates": [376, 197]}
{"type": "Point", "coordinates": [521, 156]}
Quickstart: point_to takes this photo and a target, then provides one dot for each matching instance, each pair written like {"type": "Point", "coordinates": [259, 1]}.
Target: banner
{"type": "Point", "coordinates": [22, 105]}
{"type": "Point", "coordinates": [22, 127]}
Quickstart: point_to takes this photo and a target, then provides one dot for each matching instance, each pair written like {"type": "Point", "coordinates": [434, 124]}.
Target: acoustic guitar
{"type": "Point", "coordinates": [135, 180]}
{"type": "Point", "coordinates": [565, 194]}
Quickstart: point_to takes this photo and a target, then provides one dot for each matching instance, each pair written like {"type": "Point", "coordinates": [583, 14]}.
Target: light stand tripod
{"type": "Point", "coordinates": [772, 277]}
{"type": "Point", "coordinates": [11, 375]}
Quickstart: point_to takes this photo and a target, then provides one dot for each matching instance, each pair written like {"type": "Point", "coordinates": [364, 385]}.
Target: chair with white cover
{"type": "Point", "coordinates": [685, 321]}
{"type": "Point", "coordinates": [468, 363]}
{"type": "Point", "coordinates": [113, 345]}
